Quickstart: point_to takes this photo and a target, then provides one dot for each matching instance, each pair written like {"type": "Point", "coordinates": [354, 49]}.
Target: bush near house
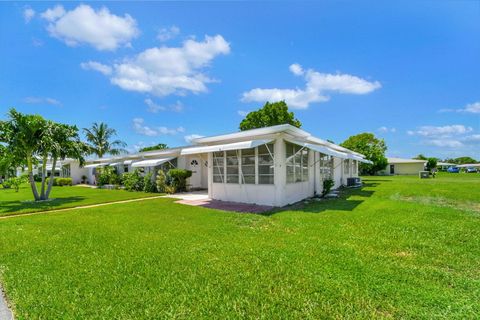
{"type": "Point", "coordinates": [179, 179]}
{"type": "Point", "coordinates": [133, 181]}
{"type": "Point", "coordinates": [108, 176]}
{"type": "Point", "coordinates": [60, 182]}
{"type": "Point", "coordinates": [161, 181]}
{"type": "Point", "coordinates": [327, 186]}
{"type": "Point", "coordinates": [148, 184]}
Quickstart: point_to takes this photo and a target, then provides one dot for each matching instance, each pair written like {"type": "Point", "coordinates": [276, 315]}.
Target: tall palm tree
{"type": "Point", "coordinates": [99, 140]}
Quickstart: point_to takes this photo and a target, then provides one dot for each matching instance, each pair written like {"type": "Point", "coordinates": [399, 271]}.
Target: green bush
{"type": "Point", "coordinates": [133, 181]}
{"type": "Point", "coordinates": [179, 178]}
{"type": "Point", "coordinates": [327, 186]}
{"type": "Point", "coordinates": [14, 182]}
{"type": "Point", "coordinates": [148, 184]}
{"type": "Point", "coordinates": [60, 182]}
{"type": "Point", "coordinates": [108, 176]}
{"type": "Point", "coordinates": [161, 181]}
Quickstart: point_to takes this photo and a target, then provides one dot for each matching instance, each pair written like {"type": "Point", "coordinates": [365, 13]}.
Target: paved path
{"type": "Point", "coordinates": [79, 207]}
{"type": "Point", "coordinates": [5, 313]}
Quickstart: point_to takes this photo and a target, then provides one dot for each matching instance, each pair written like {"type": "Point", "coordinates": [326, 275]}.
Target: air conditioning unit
{"type": "Point", "coordinates": [353, 182]}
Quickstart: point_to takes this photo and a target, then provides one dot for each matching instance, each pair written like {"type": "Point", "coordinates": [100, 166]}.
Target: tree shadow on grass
{"type": "Point", "coordinates": [12, 207]}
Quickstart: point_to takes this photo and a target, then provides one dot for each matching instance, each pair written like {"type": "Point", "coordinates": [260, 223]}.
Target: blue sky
{"type": "Point", "coordinates": [162, 72]}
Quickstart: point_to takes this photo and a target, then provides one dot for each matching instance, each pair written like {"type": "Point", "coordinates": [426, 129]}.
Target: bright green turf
{"type": "Point", "coordinates": [12, 202]}
{"type": "Point", "coordinates": [398, 248]}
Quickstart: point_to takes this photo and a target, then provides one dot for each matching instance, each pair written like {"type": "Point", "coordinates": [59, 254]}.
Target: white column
{"type": "Point", "coordinates": [210, 175]}
{"type": "Point", "coordinates": [280, 173]}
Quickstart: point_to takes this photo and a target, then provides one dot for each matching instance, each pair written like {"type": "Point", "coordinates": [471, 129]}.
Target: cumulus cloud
{"type": "Point", "coordinates": [191, 137]}
{"type": "Point", "coordinates": [93, 65]}
{"type": "Point", "coordinates": [441, 131]}
{"type": "Point", "coordinates": [140, 128]}
{"type": "Point", "coordinates": [385, 129]}
{"type": "Point", "coordinates": [444, 143]}
{"type": "Point", "coordinates": [469, 108]}
{"type": "Point", "coordinates": [42, 100]}
{"type": "Point", "coordinates": [156, 108]}
{"type": "Point", "coordinates": [28, 14]}
{"type": "Point", "coordinates": [166, 34]}
{"type": "Point", "coordinates": [162, 71]}
{"type": "Point", "coordinates": [85, 25]}
{"type": "Point", "coordinates": [316, 88]}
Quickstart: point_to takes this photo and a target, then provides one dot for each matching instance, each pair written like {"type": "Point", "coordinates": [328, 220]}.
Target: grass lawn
{"type": "Point", "coordinates": [12, 202]}
{"type": "Point", "coordinates": [398, 248]}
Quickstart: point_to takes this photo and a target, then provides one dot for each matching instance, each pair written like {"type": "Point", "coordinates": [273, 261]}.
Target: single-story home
{"type": "Point", "coordinates": [273, 166]}
{"type": "Point", "coordinates": [403, 166]}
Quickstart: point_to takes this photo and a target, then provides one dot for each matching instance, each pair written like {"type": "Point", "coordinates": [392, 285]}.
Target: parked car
{"type": "Point", "coordinates": [471, 170]}
{"type": "Point", "coordinates": [453, 169]}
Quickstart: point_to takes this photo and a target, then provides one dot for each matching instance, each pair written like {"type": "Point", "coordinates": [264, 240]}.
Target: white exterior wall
{"type": "Point", "coordinates": [404, 168]}
{"type": "Point", "coordinates": [76, 172]}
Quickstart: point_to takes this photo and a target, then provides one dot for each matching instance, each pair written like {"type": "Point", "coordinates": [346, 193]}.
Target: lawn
{"type": "Point", "coordinates": [398, 248]}
{"type": "Point", "coordinates": [12, 202]}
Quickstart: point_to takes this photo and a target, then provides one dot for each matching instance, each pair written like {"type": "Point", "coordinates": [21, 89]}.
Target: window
{"type": "Point", "coordinates": [265, 164]}
{"type": "Point", "coordinates": [326, 166]}
{"type": "Point", "coordinates": [66, 170]}
{"type": "Point", "coordinates": [346, 166]}
{"type": "Point", "coordinates": [248, 165]}
{"type": "Point", "coordinates": [232, 166]}
{"type": "Point", "coordinates": [296, 163]}
{"type": "Point", "coordinates": [218, 167]}
{"type": "Point", "coordinates": [355, 167]}
{"type": "Point", "coordinates": [125, 168]}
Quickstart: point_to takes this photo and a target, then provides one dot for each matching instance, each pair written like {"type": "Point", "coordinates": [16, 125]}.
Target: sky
{"type": "Point", "coordinates": [166, 72]}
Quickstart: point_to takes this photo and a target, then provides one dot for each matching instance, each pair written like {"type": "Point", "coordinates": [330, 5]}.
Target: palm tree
{"type": "Point", "coordinates": [99, 136]}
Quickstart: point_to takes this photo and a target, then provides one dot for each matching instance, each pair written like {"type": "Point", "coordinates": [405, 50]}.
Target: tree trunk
{"type": "Point", "coordinates": [50, 182]}
{"type": "Point", "coordinates": [30, 178]}
{"type": "Point", "coordinates": [44, 177]}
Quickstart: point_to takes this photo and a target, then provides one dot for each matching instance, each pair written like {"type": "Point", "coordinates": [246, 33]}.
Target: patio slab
{"type": "Point", "coordinates": [225, 205]}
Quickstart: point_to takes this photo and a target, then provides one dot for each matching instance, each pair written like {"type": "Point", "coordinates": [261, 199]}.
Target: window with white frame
{"type": "Point", "coordinates": [354, 167]}
{"type": "Point", "coordinates": [248, 165]}
{"type": "Point", "coordinates": [326, 166]}
{"type": "Point", "coordinates": [218, 166]}
{"type": "Point", "coordinates": [296, 163]}
{"type": "Point", "coordinates": [346, 166]}
{"type": "Point", "coordinates": [66, 170]}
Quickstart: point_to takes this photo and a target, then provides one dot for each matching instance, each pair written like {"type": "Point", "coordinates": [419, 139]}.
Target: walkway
{"type": "Point", "coordinates": [5, 313]}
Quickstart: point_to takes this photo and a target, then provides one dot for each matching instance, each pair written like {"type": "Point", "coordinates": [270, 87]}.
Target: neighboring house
{"type": "Point", "coordinates": [273, 166]}
{"type": "Point", "coordinates": [403, 166]}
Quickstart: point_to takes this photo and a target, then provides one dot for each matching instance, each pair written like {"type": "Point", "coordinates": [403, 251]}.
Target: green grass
{"type": "Point", "coordinates": [12, 202]}
{"type": "Point", "coordinates": [398, 248]}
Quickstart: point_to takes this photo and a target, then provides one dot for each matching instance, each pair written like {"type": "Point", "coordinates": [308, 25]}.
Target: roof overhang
{"type": "Point", "coordinates": [468, 165]}
{"type": "Point", "coordinates": [95, 165]}
{"type": "Point", "coordinates": [151, 162]}
{"type": "Point", "coordinates": [225, 147]}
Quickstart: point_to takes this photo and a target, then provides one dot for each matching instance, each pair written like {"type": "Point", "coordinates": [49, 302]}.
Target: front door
{"type": "Point", "coordinates": [392, 169]}
{"type": "Point", "coordinates": [195, 165]}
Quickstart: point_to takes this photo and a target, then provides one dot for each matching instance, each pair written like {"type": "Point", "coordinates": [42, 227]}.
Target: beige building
{"type": "Point", "coordinates": [403, 166]}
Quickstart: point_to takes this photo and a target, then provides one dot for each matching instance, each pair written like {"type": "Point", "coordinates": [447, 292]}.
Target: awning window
{"type": "Point", "coordinates": [225, 147]}
{"type": "Point", "coordinates": [150, 162]}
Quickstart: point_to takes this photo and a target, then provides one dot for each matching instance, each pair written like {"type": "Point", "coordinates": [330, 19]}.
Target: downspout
{"type": "Point", "coordinates": [314, 174]}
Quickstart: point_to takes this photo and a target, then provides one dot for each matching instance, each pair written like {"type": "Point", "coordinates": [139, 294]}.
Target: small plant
{"type": "Point", "coordinates": [148, 184]}
{"type": "Point", "coordinates": [179, 178]}
{"type": "Point", "coordinates": [161, 181]}
{"type": "Point", "coordinates": [170, 189]}
{"type": "Point", "coordinates": [327, 186]}
{"type": "Point", "coordinates": [133, 181]}
{"type": "Point", "coordinates": [84, 179]}
{"type": "Point", "coordinates": [14, 182]}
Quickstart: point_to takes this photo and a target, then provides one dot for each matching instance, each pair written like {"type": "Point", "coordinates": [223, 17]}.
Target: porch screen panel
{"type": "Point", "coordinates": [248, 166]}
{"type": "Point", "coordinates": [346, 166]}
{"type": "Point", "coordinates": [297, 163]}
{"type": "Point", "coordinates": [218, 167]}
{"type": "Point", "coordinates": [265, 164]}
{"type": "Point", "coordinates": [232, 166]}
{"type": "Point", "coordinates": [355, 167]}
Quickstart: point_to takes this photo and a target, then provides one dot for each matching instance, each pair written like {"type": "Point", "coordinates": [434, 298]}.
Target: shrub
{"type": "Point", "coordinates": [60, 182]}
{"type": "Point", "coordinates": [133, 181]}
{"type": "Point", "coordinates": [170, 189]}
{"type": "Point", "coordinates": [148, 184]}
{"type": "Point", "coordinates": [84, 179]}
{"type": "Point", "coordinates": [108, 176]}
{"type": "Point", "coordinates": [14, 182]}
{"type": "Point", "coordinates": [161, 181]}
{"type": "Point", "coordinates": [179, 178]}
{"type": "Point", "coordinates": [327, 186]}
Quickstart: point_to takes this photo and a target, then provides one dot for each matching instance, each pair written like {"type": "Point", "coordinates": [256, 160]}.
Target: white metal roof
{"type": "Point", "coordinates": [95, 165]}
{"type": "Point", "coordinates": [151, 162]}
{"type": "Point", "coordinates": [468, 165]}
{"type": "Point", "coordinates": [225, 147]}
{"type": "Point", "coordinates": [401, 160]}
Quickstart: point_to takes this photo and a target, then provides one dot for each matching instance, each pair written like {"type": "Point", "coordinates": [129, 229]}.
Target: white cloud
{"type": "Point", "coordinates": [155, 108]}
{"type": "Point", "coordinates": [141, 128]}
{"type": "Point", "coordinates": [440, 131]}
{"type": "Point", "coordinates": [84, 25]}
{"type": "Point", "coordinates": [243, 113]}
{"type": "Point", "coordinates": [445, 143]}
{"type": "Point", "coordinates": [162, 71]}
{"type": "Point", "coordinates": [316, 87]}
{"type": "Point", "coordinates": [93, 65]}
{"type": "Point", "coordinates": [384, 129]}
{"type": "Point", "coordinates": [469, 108]}
{"type": "Point", "coordinates": [191, 137]}
{"type": "Point", "coordinates": [166, 34]}
{"type": "Point", "coordinates": [28, 14]}
{"type": "Point", "coordinates": [42, 100]}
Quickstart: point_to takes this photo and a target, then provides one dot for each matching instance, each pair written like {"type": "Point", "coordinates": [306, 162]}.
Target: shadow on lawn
{"type": "Point", "coordinates": [27, 206]}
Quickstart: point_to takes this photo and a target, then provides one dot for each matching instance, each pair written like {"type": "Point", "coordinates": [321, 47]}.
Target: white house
{"type": "Point", "coordinates": [273, 166]}
{"type": "Point", "coordinates": [403, 166]}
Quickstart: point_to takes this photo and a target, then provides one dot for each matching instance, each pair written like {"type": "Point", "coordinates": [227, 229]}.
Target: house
{"type": "Point", "coordinates": [403, 166]}
{"type": "Point", "coordinates": [274, 166]}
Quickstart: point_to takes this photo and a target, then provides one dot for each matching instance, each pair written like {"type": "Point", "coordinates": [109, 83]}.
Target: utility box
{"type": "Point", "coordinates": [424, 174]}
{"type": "Point", "coordinates": [351, 182]}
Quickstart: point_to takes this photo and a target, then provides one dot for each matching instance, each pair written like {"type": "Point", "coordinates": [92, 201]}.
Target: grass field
{"type": "Point", "coordinates": [12, 202]}
{"type": "Point", "coordinates": [398, 248]}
